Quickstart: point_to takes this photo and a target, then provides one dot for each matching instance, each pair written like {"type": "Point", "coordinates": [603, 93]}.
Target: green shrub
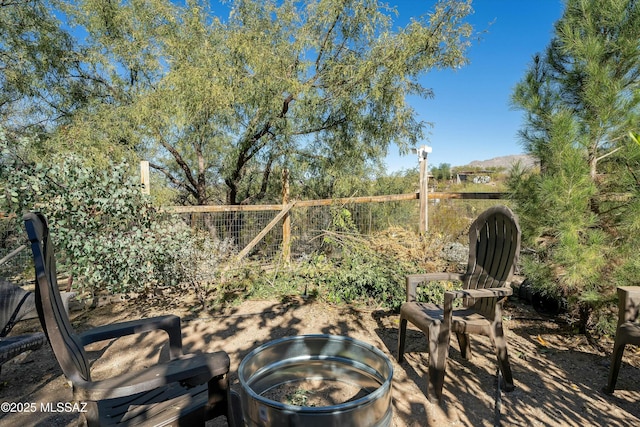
{"type": "Point", "coordinates": [433, 292]}
{"type": "Point", "coordinates": [356, 269]}
{"type": "Point", "coordinates": [367, 279]}
{"type": "Point", "coordinates": [107, 233]}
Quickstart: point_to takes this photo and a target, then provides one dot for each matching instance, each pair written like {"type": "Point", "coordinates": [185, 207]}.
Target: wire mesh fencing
{"type": "Point", "coordinates": [252, 228]}
{"type": "Point", "coordinates": [310, 223]}
{"type": "Point", "coordinates": [15, 256]}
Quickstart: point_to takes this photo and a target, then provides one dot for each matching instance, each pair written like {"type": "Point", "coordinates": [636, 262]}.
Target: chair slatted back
{"type": "Point", "coordinates": [494, 247]}
{"type": "Point", "coordinates": [53, 316]}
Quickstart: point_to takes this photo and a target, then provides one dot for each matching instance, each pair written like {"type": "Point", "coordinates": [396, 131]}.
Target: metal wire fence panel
{"type": "Point", "coordinates": [309, 223]}
{"type": "Point", "coordinates": [14, 253]}
{"type": "Point", "coordinates": [453, 217]}
{"type": "Point", "coordinates": [239, 228]}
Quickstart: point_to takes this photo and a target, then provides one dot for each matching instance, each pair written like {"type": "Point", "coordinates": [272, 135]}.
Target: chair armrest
{"type": "Point", "coordinates": [12, 346]}
{"type": "Point", "coordinates": [169, 323]}
{"type": "Point", "coordinates": [481, 293]}
{"type": "Point", "coordinates": [628, 304]}
{"type": "Point", "coordinates": [413, 280]}
{"type": "Point", "coordinates": [192, 370]}
{"type": "Point", "coordinates": [490, 309]}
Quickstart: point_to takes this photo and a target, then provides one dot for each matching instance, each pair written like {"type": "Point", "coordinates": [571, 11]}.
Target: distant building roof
{"type": "Point", "coordinates": [482, 172]}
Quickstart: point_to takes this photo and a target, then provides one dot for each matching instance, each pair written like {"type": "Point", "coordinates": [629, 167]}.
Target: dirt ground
{"type": "Point", "coordinates": [558, 374]}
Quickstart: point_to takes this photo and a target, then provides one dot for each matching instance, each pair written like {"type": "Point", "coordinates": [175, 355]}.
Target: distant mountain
{"type": "Point", "coordinates": [503, 161]}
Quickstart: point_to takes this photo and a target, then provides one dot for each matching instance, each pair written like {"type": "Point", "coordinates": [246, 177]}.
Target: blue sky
{"type": "Point", "coordinates": [470, 112]}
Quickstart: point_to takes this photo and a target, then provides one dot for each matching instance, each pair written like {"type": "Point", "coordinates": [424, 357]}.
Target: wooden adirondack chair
{"type": "Point", "coordinates": [187, 390]}
{"type": "Point", "coordinates": [628, 330]}
{"type": "Point", "coordinates": [494, 245]}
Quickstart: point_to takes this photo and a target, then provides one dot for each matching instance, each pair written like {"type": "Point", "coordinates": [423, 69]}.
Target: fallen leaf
{"type": "Point", "coordinates": [542, 341]}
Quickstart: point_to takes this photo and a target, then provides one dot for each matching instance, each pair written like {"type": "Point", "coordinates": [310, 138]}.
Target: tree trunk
{"type": "Point", "coordinates": [593, 173]}
{"type": "Point", "coordinates": [593, 166]}
{"type": "Point", "coordinates": [201, 182]}
{"type": "Point", "coordinates": [234, 222]}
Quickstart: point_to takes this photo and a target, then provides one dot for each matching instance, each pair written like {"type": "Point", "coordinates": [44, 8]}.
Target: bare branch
{"type": "Point", "coordinates": [173, 179]}
{"type": "Point", "coordinates": [326, 40]}
{"type": "Point", "coordinates": [178, 158]}
{"type": "Point", "coordinates": [263, 185]}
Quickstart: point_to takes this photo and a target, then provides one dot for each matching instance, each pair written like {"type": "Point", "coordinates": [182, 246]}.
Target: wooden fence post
{"type": "Point", "coordinates": [424, 188]}
{"type": "Point", "coordinates": [286, 222]}
{"type": "Point", "coordinates": [144, 177]}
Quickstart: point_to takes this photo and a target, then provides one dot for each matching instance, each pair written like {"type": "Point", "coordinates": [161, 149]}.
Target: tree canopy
{"type": "Point", "coordinates": [220, 104]}
{"type": "Point", "coordinates": [36, 56]}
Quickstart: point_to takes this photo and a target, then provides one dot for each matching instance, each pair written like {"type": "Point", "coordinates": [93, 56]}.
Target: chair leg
{"type": "Point", "coordinates": [503, 357]}
{"type": "Point", "coordinates": [235, 416]}
{"type": "Point", "coordinates": [465, 345]}
{"type": "Point", "coordinates": [402, 335]}
{"type": "Point", "coordinates": [218, 401]}
{"type": "Point", "coordinates": [91, 418]}
{"type": "Point", "coordinates": [438, 352]}
{"type": "Point", "coordinates": [616, 361]}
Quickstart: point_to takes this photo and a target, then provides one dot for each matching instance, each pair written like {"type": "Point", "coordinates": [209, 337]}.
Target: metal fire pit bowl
{"type": "Point", "coordinates": [328, 358]}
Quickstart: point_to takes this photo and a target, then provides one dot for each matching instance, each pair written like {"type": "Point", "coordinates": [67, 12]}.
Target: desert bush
{"type": "Point", "coordinates": [371, 270]}
{"type": "Point", "coordinates": [433, 292]}
{"type": "Point", "coordinates": [108, 234]}
{"type": "Point", "coordinates": [452, 219]}
{"type": "Point", "coordinates": [366, 277]}
{"type": "Point", "coordinates": [198, 264]}
{"type": "Point", "coordinates": [365, 270]}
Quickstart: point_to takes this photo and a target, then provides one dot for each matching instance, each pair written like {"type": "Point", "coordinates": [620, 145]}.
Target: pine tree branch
{"type": "Point", "coordinates": [608, 154]}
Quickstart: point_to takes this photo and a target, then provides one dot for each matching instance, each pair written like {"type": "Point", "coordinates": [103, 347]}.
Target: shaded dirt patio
{"type": "Point", "coordinates": [558, 374]}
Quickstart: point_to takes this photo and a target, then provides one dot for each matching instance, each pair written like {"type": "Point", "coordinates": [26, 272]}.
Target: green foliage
{"type": "Point", "coordinates": [453, 218]}
{"type": "Point", "coordinates": [36, 60]}
{"type": "Point", "coordinates": [108, 235]}
{"type": "Point", "coordinates": [442, 171]}
{"type": "Point", "coordinates": [373, 217]}
{"type": "Point", "coordinates": [626, 270]}
{"type": "Point", "coordinates": [199, 261]}
{"type": "Point", "coordinates": [540, 274]}
{"type": "Point", "coordinates": [302, 277]}
{"type": "Point", "coordinates": [354, 269]}
{"type": "Point", "coordinates": [373, 270]}
{"type": "Point", "coordinates": [360, 278]}
{"type": "Point", "coordinates": [220, 105]}
{"type": "Point", "coordinates": [433, 292]}
{"type": "Point", "coordinates": [555, 211]}
{"type": "Point", "coordinates": [341, 220]}
{"type": "Point", "coordinates": [579, 211]}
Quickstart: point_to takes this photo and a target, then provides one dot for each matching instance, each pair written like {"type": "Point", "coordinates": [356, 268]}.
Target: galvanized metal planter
{"type": "Point", "coordinates": [329, 358]}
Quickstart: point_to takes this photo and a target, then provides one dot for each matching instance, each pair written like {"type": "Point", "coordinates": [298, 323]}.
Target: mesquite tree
{"type": "Point", "coordinates": [221, 98]}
